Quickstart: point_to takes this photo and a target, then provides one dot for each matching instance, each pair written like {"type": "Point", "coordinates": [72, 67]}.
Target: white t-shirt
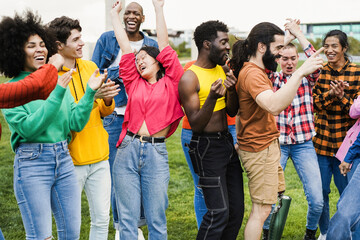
{"type": "Point", "coordinates": [135, 46]}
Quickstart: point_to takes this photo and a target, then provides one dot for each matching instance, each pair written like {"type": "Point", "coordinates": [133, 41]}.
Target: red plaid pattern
{"type": "Point", "coordinates": [296, 122]}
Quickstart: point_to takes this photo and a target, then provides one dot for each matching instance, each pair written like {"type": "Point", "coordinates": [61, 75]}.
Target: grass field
{"type": "Point", "coordinates": [180, 214]}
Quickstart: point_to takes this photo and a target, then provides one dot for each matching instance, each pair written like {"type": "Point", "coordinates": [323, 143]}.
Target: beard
{"type": "Point", "coordinates": [216, 56]}
{"type": "Point", "coordinates": [269, 60]}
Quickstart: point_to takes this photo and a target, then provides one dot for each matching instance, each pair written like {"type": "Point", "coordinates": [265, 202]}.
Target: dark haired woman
{"type": "Point", "coordinates": [334, 93]}
{"type": "Point", "coordinates": [44, 176]}
{"type": "Point", "coordinates": [152, 114]}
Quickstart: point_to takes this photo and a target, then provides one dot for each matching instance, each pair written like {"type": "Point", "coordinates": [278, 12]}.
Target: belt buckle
{"type": "Point", "coordinates": [141, 139]}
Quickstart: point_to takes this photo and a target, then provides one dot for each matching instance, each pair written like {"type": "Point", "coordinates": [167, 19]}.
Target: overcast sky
{"type": "Point", "coordinates": [187, 14]}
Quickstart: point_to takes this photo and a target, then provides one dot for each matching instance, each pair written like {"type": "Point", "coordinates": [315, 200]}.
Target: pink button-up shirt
{"type": "Point", "coordinates": [157, 104]}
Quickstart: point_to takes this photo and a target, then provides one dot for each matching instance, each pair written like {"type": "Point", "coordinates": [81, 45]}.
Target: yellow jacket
{"type": "Point", "coordinates": [91, 144]}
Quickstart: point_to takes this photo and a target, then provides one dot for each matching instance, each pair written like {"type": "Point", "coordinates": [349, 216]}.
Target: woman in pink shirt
{"type": "Point", "coordinates": [141, 170]}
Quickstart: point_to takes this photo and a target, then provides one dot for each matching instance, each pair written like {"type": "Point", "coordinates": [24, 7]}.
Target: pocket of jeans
{"type": "Point", "coordinates": [26, 154]}
{"type": "Point", "coordinates": [161, 148]}
{"type": "Point", "coordinates": [126, 141]}
{"type": "Point", "coordinates": [213, 193]}
{"type": "Point", "coordinates": [109, 119]}
{"type": "Point", "coordinates": [194, 157]}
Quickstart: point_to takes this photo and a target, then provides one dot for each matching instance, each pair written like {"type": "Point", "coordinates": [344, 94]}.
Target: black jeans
{"type": "Point", "coordinates": [220, 176]}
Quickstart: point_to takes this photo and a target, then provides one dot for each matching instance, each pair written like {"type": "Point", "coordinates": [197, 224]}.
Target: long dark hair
{"type": "Point", "coordinates": [343, 39]}
{"type": "Point", "coordinates": [243, 49]}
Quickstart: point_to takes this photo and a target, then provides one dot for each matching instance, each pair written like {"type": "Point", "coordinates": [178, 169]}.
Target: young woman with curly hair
{"type": "Point", "coordinates": [44, 176]}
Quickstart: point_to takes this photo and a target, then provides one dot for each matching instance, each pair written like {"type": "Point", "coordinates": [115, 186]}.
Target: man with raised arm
{"type": "Point", "coordinates": [258, 136]}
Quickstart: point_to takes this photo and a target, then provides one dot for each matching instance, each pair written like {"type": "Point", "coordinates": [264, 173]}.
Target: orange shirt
{"type": "Point", "coordinates": [257, 126]}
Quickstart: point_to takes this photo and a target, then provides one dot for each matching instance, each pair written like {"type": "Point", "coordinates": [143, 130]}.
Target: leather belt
{"type": "Point", "coordinates": [146, 138]}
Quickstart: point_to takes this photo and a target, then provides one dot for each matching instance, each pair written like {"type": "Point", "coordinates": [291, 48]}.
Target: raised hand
{"type": "Point", "coordinates": [64, 79]}
{"type": "Point", "coordinates": [217, 89]}
{"type": "Point", "coordinates": [158, 3]}
{"type": "Point", "coordinates": [230, 81]}
{"type": "Point", "coordinates": [95, 81]}
{"type": "Point", "coordinates": [116, 8]}
{"type": "Point", "coordinates": [292, 30]}
{"type": "Point", "coordinates": [57, 60]}
{"type": "Point", "coordinates": [312, 63]}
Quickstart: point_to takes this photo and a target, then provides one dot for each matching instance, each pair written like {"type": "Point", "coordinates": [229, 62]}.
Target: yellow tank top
{"type": "Point", "coordinates": [207, 77]}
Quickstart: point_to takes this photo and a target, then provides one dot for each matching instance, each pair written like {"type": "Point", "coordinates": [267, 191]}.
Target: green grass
{"type": "Point", "coordinates": [180, 214]}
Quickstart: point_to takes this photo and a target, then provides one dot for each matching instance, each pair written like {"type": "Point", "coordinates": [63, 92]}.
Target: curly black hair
{"type": "Point", "coordinates": [14, 33]}
{"type": "Point", "coordinates": [208, 31]}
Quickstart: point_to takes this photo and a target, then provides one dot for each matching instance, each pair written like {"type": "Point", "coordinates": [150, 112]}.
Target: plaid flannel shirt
{"type": "Point", "coordinates": [332, 119]}
{"type": "Point", "coordinates": [296, 122]}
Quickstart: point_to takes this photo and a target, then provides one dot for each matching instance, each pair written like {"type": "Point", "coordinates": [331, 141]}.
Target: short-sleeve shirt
{"type": "Point", "coordinates": [257, 126]}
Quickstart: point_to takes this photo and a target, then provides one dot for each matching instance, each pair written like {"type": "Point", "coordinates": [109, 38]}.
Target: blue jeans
{"type": "Point", "coordinates": [346, 221]}
{"type": "Point", "coordinates": [329, 166]}
{"type": "Point", "coordinates": [1, 235]}
{"type": "Point", "coordinates": [113, 125]}
{"type": "Point", "coordinates": [199, 202]}
{"type": "Point", "coordinates": [306, 164]}
{"type": "Point", "coordinates": [45, 181]}
{"type": "Point", "coordinates": [141, 173]}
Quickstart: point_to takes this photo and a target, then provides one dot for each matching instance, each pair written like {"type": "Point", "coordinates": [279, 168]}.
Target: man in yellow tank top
{"type": "Point", "coordinates": [207, 94]}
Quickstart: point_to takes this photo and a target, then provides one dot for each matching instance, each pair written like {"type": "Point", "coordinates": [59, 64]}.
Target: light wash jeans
{"type": "Point", "coordinates": [45, 181]}
{"type": "Point", "coordinates": [329, 166]}
{"type": "Point", "coordinates": [199, 202]}
{"type": "Point", "coordinates": [95, 179]}
{"type": "Point", "coordinates": [1, 235]}
{"type": "Point", "coordinates": [113, 125]}
{"type": "Point", "coordinates": [306, 165]}
{"type": "Point", "coordinates": [141, 172]}
{"type": "Point", "coordinates": [345, 224]}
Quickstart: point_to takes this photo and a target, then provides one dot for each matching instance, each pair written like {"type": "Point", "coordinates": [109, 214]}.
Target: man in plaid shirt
{"type": "Point", "coordinates": [337, 87]}
{"type": "Point", "coordinates": [296, 126]}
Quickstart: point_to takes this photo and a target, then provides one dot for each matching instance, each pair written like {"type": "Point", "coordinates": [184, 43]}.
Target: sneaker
{"type": "Point", "coordinates": [310, 234]}
{"type": "Point", "coordinates": [322, 237]}
{"type": "Point", "coordinates": [117, 235]}
{"type": "Point", "coordinates": [140, 234]}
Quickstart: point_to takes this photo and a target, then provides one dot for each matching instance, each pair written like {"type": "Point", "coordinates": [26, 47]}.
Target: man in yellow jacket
{"type": "Point", "coordinates": [89, 148]}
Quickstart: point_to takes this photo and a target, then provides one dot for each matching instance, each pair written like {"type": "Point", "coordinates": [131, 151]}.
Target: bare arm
{"type": "Point", "coordinates": [275, 102]}
{"type": "Point", "coordinates": [120, 33]}
{"type": "Point", "coordinates": [161, 28]}
{"type": "Point", "coordinates": [188, 90]}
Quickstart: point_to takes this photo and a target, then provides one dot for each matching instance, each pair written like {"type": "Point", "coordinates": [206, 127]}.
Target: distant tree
{"type": "Point", "coordinates": [354, 46]}
{"type": "Point", "coordinates": [181, 49]}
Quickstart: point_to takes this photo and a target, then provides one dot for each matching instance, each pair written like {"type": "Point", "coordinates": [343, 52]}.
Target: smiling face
{"type": "Point", "coordinates": [334, 52]}
{"type": "Point", "coordinates": [73, 47]}
{"type": "Point", "coordinates": [288, 60]}
{"type": "Point", "coordinates": [133, 17]}
{"type": "Point", "coordinates": [272, 53]}
{"type": "Point", "coordinates": [35, 53]}
{"type": "Point", "coordinates": [146, 65]}
{"type": "Point", "coordinates": [220, 48]}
